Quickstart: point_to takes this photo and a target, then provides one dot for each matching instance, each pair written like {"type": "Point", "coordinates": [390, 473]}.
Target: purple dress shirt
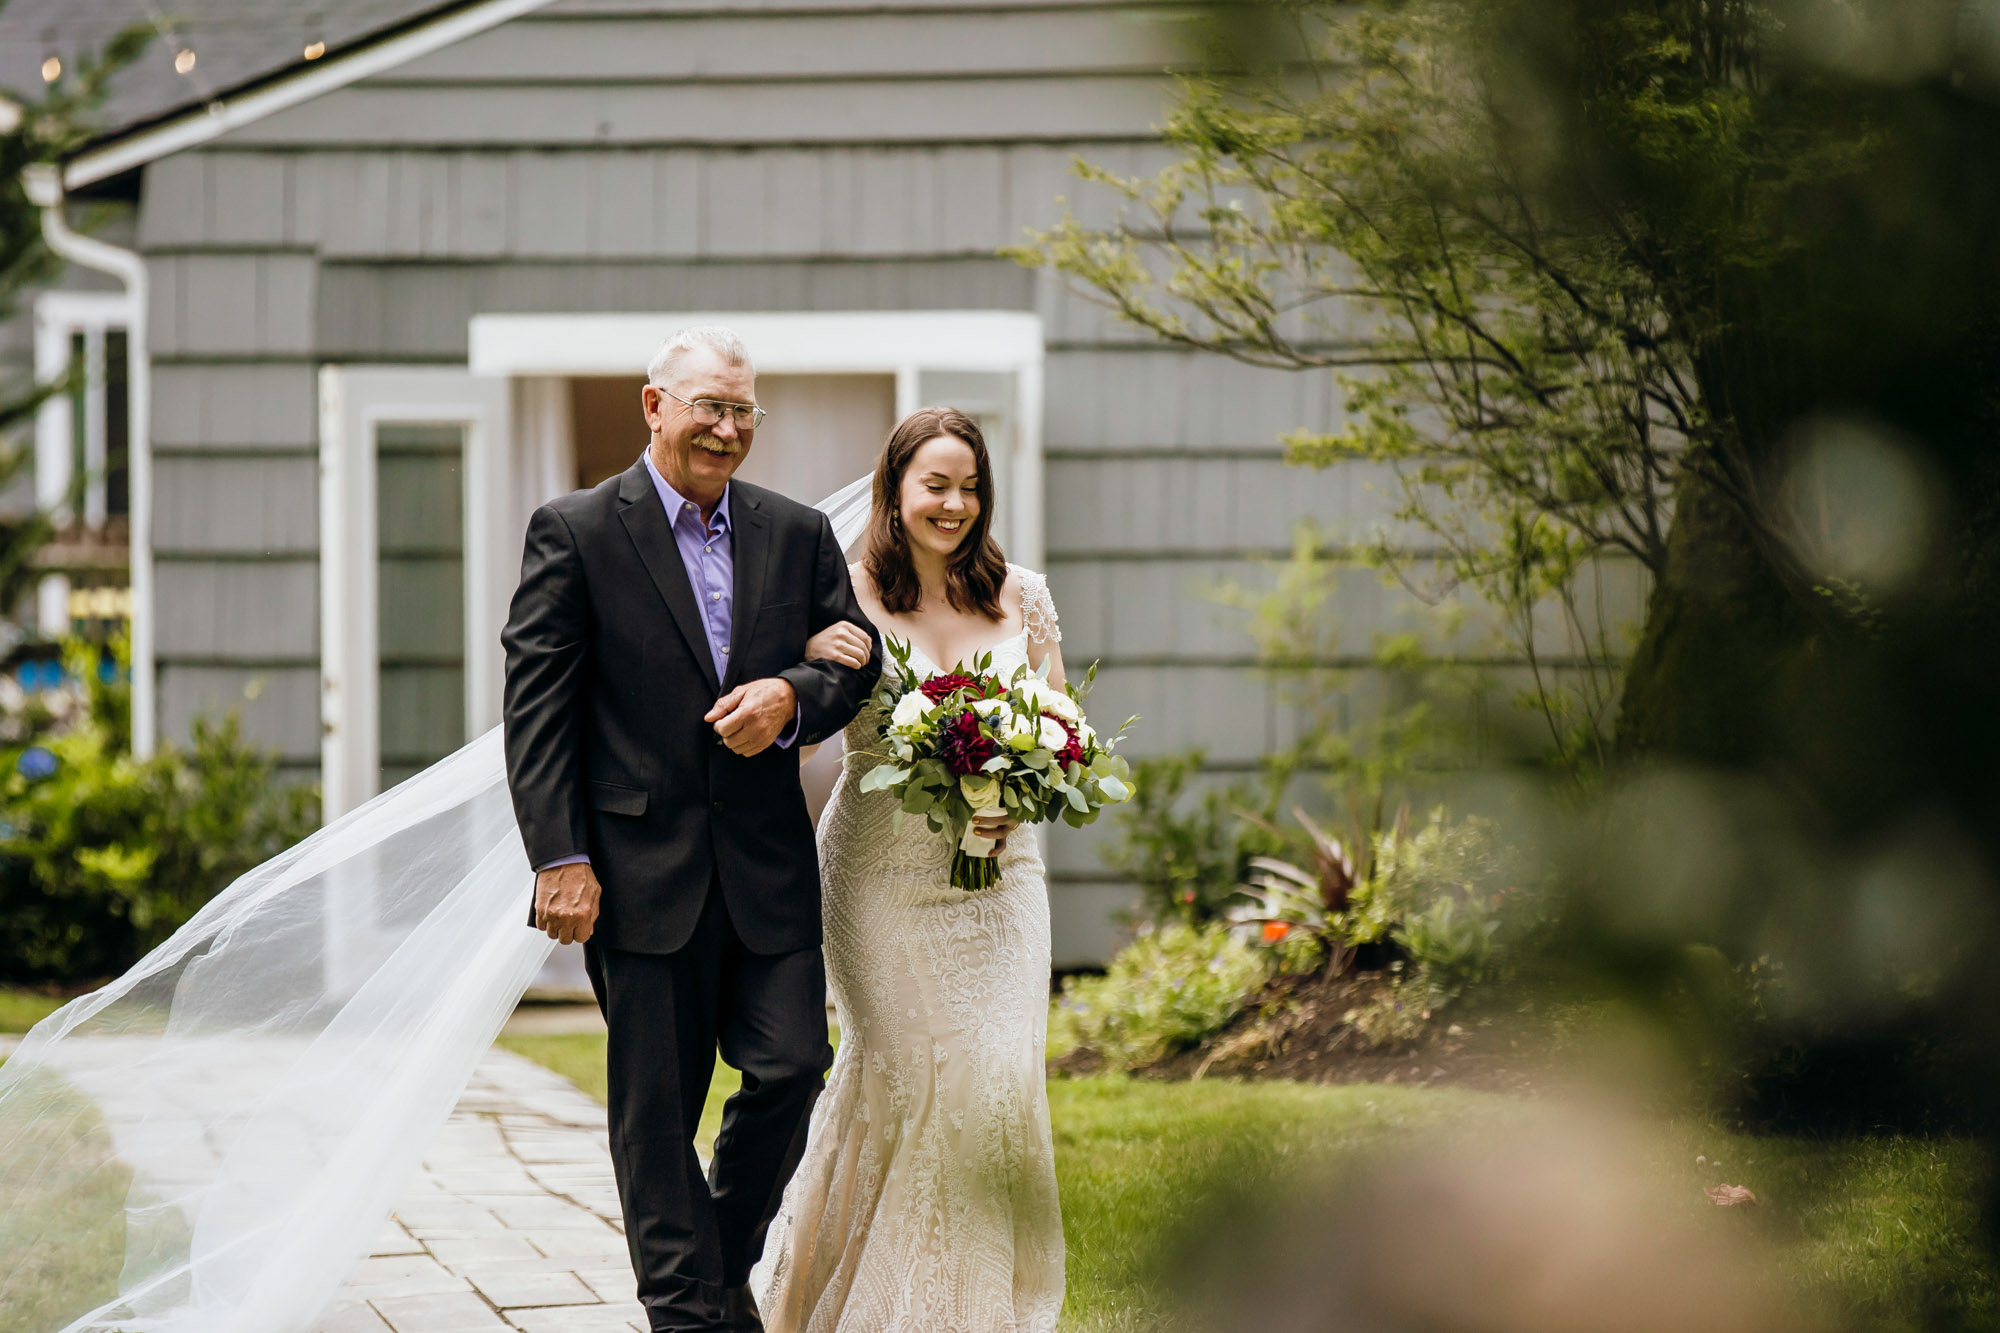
{"type": "Point", "coordinates": [708, 552]}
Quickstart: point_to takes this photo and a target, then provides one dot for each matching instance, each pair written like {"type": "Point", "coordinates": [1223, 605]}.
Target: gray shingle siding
{"type": "Point", "coordinates": [420, 311]}
{"type": "Point", "coordinates": [613, 201]}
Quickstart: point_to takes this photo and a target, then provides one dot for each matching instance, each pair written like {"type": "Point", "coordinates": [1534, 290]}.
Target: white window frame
{"type": "Point", "coordinates": [354, 401]}
{"type": "Point", "coordinates": [903, 343]}
{"type": "Point", "coordinates": [59, 318]}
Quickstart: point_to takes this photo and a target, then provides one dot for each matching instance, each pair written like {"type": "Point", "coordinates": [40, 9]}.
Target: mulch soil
{"type": "Point", "coordinates": [1297, 1029]}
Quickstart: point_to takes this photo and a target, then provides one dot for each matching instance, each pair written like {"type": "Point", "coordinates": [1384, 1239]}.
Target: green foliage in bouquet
{"type": "Point", "coordinates": [103, 855]}
{"type": "Point", "coordinates": [1164, 992]}
{"type": "Point", "coordinates": [964, 744]}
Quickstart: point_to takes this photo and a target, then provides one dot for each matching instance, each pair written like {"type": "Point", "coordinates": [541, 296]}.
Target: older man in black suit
{"type": "Point", "coordinates": [657, 694]}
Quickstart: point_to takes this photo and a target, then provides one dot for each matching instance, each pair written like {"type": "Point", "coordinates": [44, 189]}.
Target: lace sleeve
{"type": "Point", "coordinates": [1038, 609]}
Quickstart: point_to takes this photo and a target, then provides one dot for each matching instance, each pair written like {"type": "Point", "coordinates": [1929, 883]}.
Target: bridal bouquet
{"type": "Point", "coordinates": [962, 744]}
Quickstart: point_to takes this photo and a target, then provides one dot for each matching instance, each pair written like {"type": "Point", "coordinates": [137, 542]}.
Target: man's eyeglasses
{"type": "Point", "coordinates": [710, 411]}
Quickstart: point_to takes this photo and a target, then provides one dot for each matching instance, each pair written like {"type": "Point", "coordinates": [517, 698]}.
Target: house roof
{"type": "Point", "coordinates": [235, 42]}
{"type": "Point", "coordinates": [249, 57]}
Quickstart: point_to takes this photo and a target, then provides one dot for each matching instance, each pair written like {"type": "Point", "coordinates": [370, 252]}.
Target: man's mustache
{"type": "Point", "coordinates": [717, 444]}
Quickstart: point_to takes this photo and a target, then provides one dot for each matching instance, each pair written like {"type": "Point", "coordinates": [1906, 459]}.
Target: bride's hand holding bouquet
{"type": "Point", "coordinates": [964, 748]}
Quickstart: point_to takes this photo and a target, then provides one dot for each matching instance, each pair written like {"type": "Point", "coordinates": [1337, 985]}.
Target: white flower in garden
{"type": "Point", "coordinates": [911, 709]}
{"type": "Point", "coordinates": [1051, 734]}
{"type": "Point", "coordinates": [981, 793]}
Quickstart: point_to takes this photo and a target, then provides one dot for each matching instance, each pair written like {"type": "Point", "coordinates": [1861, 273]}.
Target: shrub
{"type": "Point", "coordinates": [1168, 989]}
{"type": "Point", "coordinates": [1186, 856]}
{"type": "Point", "coordinates": [1447, 886]}
{"type": "Point", "coordinates": [102, 855]}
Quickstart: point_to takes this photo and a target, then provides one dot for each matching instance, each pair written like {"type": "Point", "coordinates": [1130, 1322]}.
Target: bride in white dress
{"type": "Point", "coordinates": [926, 1201]}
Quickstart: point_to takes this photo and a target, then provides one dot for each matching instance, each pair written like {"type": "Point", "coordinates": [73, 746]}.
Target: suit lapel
{"type": "Point", "coordinates": [645, 521]}
{"type": "Point", "coordinates": [751, 550]}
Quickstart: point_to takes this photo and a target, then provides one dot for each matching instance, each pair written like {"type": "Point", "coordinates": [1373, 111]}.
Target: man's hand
{"type": "Point", "coordinates": [751, 716]}
{"type": "Point", "coordinates": [843, 642]}
{"type": "Point", "coordinates": [566, 902]}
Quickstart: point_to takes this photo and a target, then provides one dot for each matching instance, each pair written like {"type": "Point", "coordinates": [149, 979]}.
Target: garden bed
{"type": "Point", "coordinates": [1300, 1028]}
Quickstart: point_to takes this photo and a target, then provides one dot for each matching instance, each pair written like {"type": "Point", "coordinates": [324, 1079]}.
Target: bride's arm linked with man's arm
{"type": "Point", "coordinates": [831, 685]}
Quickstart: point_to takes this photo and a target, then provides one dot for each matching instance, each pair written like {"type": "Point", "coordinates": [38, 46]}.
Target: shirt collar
{"type": "Point", "coordinates": [678, 505]}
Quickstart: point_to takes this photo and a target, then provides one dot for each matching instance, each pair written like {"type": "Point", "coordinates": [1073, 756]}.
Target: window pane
{"type": "Point", "coordinates": [420, 571]}
{"type": "Point", "coordinates": [117, 426]}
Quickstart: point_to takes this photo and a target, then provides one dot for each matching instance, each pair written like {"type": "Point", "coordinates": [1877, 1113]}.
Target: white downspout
{"type": "Point", "coordinates": [44, 186]}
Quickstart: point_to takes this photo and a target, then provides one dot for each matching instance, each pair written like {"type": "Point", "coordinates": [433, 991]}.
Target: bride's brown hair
{"type": "Point", "coordinates": [977, 570]}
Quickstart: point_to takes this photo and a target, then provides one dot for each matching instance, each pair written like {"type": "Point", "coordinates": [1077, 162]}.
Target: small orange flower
{"type": "Point", "coordinates": [1276, 930]}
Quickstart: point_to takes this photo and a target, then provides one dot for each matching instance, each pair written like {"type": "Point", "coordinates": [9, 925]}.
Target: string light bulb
{"type": "Point", "coordinates": [184, 60]}
{"type": "Point", "coordinates": [315, 49]}
{"type": "Point", "coordinates": [51, 69]}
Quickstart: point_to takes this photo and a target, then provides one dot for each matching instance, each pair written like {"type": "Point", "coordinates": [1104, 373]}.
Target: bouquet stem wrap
{"type": "Point", "coordinates": [974, 865]}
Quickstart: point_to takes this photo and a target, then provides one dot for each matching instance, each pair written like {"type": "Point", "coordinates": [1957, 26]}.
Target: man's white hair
{"type": "Point", "coordinates": [664, 368]}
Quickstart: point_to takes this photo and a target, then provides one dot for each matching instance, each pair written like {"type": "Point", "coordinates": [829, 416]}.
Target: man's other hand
{"type": "Point", "coordinates": [751, 716]}
{"type": "Point", "coordinates": [566, 899]}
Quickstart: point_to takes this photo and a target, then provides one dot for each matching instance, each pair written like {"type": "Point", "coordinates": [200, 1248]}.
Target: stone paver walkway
{"type": "Point", "coordinates": [512, 1224]}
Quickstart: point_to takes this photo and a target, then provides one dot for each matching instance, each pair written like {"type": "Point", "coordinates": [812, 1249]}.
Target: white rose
{"type": "Point", "coordinates": [1085, 732]}
{"type": "Point", "coordinates": [1046, 698]}
{"type": "Point", "coordinates": [911, 709]}
{"type": "Point", "coordinates": [981, 793]}
{"type": "Point", "coordinates": [990, 709]}
{"type": "Point", "coordinates": [1050, 733]}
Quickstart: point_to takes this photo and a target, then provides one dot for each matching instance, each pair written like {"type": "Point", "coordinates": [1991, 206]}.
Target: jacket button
{"type": "Point", "coordinates": [717, 806]}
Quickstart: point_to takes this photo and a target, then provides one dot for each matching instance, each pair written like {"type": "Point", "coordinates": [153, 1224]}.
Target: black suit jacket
{"type": "Point", "coordinates": [608, 675]}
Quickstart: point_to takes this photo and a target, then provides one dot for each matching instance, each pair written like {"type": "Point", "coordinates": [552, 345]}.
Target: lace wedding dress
{"type": "Point", "coordinates": [926, 1202]}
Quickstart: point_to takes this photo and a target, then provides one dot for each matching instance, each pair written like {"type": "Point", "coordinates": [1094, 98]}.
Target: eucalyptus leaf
{"type": "Point", "coordinates": [883, 775]}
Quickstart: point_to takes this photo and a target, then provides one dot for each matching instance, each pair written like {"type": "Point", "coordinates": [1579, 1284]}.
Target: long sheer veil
{"type": "Point", "coordinates": [208, 1144]}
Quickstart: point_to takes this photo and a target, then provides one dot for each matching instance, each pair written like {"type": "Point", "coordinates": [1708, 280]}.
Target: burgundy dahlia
{"type": "Point", "coordinates": [937, 687]}
{"type": "Point", "coordinates": [1071, 753]}
{"type": "Point", "coordinates": [961, 745]}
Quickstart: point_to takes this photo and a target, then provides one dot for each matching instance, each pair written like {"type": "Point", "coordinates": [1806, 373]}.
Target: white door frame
{"type": "Point", "coordinates": [353, 401]}
{"type": "Point", "coordinates": [903, 343]}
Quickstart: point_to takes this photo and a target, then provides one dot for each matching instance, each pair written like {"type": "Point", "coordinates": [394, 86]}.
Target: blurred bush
{"type": "Point", "coordinates": [1165, 991]}
{"type": "Point", "coordinates": [1187, 853]}
{"type": "Point", "coordinates": [102, 855]}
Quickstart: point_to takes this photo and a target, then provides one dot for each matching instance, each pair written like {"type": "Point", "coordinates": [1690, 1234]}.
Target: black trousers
{"type": "Point", "coordinates": [692, 1238]}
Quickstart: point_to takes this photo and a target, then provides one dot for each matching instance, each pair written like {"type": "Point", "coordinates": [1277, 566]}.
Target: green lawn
{"type": "Point", "coordinates": [1876, 1231]}
{"type": "Point", "coordinates": [22, 1009]}
{"type": "Point", "coordinates": [580, 1059]}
